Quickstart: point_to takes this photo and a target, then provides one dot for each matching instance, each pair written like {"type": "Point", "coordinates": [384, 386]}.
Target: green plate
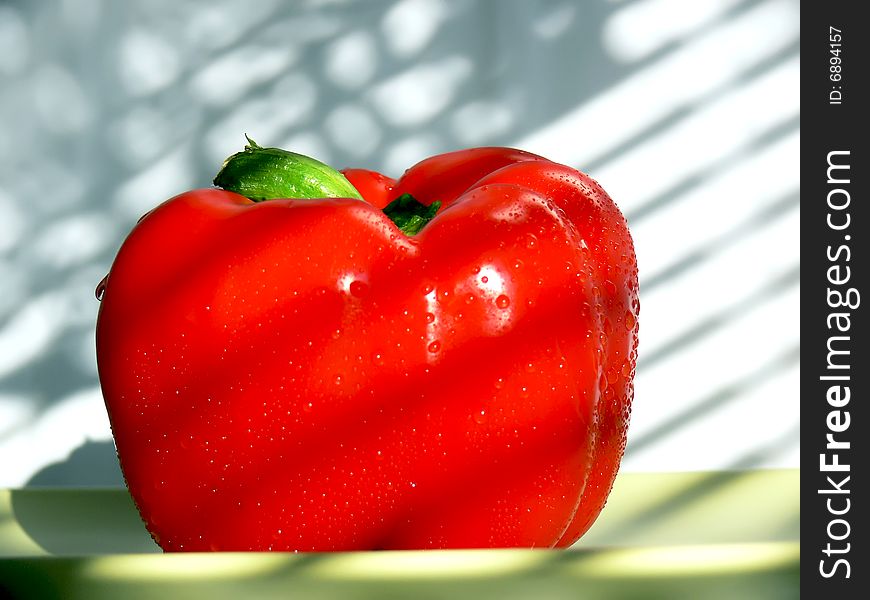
{"type": "Point", "coordinates": [727, 534]}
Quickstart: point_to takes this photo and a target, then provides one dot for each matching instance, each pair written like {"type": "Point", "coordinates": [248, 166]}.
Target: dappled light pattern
{"type": "Point", "coordinates": [692, 126]}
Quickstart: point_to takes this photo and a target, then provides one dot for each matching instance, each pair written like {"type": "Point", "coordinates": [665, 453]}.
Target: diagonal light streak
{"type": "Point", "coordinates": [628, 36]}
{"type": "Point", "coordinates": [674, 82]}
{"type": "Point", "coordinates": [756, 333]}
{"type": "Point", "coordinates": [746, 187]}
{"type": "Point", "coordinates": [719, 290]}
{"type": "Point", "coordinates": [720, 131]}
{"type": "Point", "coordinates": [753, 413]}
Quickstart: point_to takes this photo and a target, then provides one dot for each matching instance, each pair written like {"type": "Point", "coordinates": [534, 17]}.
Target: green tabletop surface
{"type": "Point", "coordinates": [711, 535]}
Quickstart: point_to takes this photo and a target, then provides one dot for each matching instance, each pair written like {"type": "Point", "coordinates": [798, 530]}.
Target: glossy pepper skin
{"type": "Point", "coordinates": [301, 375]}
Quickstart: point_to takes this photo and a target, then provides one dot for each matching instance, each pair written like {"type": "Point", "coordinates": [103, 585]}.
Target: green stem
{"type": "Point", "coordinates": [409, 215]}
{"type": "Point", "coordinates": [265, 173]}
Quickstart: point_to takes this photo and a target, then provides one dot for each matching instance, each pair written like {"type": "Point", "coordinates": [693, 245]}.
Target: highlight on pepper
{"type": "Point", "coordinates": [302, 359]}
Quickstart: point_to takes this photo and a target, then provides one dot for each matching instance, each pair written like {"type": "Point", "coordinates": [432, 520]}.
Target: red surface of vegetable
{"type": "Point", "coordinates": [299, 374]}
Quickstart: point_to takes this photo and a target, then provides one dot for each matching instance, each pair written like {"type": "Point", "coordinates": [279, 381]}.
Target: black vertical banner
{"type": "Point", "coordinates": [834, 300]}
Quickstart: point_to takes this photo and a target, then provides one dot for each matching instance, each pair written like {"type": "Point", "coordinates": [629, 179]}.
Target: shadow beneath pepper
{"type": "Point", "coordinates": [93, 464]}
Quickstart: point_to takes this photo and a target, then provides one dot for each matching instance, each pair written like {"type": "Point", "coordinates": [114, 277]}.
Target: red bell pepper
{"type": "Point", "coordinates": [332, 373]}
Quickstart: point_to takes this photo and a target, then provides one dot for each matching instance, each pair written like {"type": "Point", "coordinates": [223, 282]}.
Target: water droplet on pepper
{"type": "Point", "coordinates": [101, 288]}
{"type": "Point", "coordinates": [358, 288]}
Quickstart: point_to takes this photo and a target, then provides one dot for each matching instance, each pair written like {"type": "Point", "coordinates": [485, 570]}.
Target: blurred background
{"type": "Point", "coordinates": [687, 113]}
